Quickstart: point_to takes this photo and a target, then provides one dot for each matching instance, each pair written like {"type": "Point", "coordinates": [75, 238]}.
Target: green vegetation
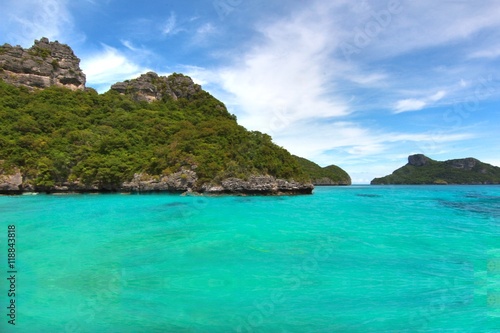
{"type": "Point", "coordinates": [39, 52]}
{"type": "Point", "coordinates": [55, 64]}
{"type": "Point", "coordinates": [448, 172]}
{"type": "Point", "coordinates": [330, 175]}
{"type": "Point", "coordinates": [57, 135]}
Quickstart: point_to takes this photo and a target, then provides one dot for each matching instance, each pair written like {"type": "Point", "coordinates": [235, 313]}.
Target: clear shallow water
{"type": "Point", "coordinates": [347, 259]}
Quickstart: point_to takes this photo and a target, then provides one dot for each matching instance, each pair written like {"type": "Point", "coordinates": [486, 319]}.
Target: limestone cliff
{"type": "Point", "coordinates": [43, 65]}
{"type": "Point", "coordinates": [151, 87]}
{"type": "Point", "coordinates": [10, 180]}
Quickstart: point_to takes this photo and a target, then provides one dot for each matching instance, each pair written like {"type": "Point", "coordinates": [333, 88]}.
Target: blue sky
{"type": "Point", "coordinates": [360, 84]}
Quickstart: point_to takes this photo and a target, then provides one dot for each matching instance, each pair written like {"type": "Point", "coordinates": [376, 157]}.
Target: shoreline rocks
{"type": "Point", "coordinates": [184, 181]}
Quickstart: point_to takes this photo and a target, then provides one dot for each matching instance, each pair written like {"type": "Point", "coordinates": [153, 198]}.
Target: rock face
{"type": "Point", "coordinates": [418, 160]}
{"type": "Point", "coordinates": [182, 181]}
{"type": "Point", "coordinates": [186, 181]}
{"type": "Point", "coordinates": [464, 163]}
{"type": "Point", "coordinates": [151, 87]}
{"type": "Point", "coordinates": [43, 65]}
{"type": "Point", "coordinates": [258, 185]}
{"type": "Point", "coordinates": [423, 170]}
{"type": "Point", "coordinates": [11, 182]}
{"type": "Point", "coordinates": [178, 182]}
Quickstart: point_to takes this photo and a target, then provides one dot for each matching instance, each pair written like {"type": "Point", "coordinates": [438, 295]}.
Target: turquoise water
{"type": "Point", "coordinates": [346, 259]}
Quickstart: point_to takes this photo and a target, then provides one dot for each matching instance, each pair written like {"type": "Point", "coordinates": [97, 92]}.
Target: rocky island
{"type": "Point", "coordinates": [423, 170]}
{"type": "Point", "coordinates": [152, 133]}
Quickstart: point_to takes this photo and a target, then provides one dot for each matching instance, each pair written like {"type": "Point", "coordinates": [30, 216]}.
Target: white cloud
{"type": "Point", "coordinates": [427, 23]}
{"type": "Point", "coordinates": [413, 104]}
{"type": "Point", "coordinates": [368, 79]}
{"type": "Point", "coordinates": [437, 96]}
{"type": "Point", "coordinates": [409, 104]}
{"type": "Point", "coordinates": [206, 29]}
{"type": "Point", "coordinates": [288, 72]}
{"type": "Point", "coordinates": [24, 21]}
{"type": "Point", "coordinates": [170, 27]}
{"type": "Point", "coordinates": [488, 53]}
{"type": "Point", "coordinates": [130, 46]}
{"type": "Point", "coordinates": [109, 66]}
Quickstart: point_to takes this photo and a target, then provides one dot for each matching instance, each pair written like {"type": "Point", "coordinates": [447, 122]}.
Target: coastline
{"type": "Point", "coordinates": [184, 182]}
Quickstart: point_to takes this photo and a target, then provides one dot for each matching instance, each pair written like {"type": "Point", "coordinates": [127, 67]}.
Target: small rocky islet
{"type": "Point", "coordinates": [150, 134]}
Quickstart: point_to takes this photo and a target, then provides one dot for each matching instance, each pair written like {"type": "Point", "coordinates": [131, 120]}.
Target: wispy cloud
{"type": "Point", "coordinates": [490, 53]}
{"type": "Point", "coordinates": [413, 104]}
{"type": "Point", "coordinates": [25, 21]}
{"type": "Point", "coordinates": [170, 27]}
{"type": "Point", "coordinates": [409, 104]}
{"type": "Point", "coordinates": [411, 29]}
{"type": "Point", "coordinates": [287, 72]}
{"type": "Point", "coordinates": [109, 66]}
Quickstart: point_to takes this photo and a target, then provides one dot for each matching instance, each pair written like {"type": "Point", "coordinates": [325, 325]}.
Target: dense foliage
{"type": "Point", "coordinates": [436, 172]}
{"type": "Point", "coordinates": [55, 135]}
{"type": "Point", "coordinates": [324, 176]}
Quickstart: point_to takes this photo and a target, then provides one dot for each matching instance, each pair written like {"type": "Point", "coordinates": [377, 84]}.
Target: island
{"type": "Point", "coordinates": [331, 175]}
{"type": "Point", "coordinates": [424, 170]}
{"type": "Point", "coordinates": [149, 134]}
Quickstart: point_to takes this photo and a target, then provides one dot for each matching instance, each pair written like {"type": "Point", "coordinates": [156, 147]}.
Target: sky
{"type": "Point", "coordinates": [360, 84]}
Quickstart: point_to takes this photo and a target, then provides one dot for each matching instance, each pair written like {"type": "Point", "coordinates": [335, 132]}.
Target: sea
{"type": "Point", "coordinates": [344, 259]}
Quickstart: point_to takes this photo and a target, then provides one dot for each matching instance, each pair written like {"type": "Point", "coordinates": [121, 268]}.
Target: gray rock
{"type": "Point", "coordinates": [181, 181]}
{"type": "Point", "coordinates": [43, 65]}
{"type": "Point", "coordinates": [464, 164]}
{"type": "Point", "coordinates": [258, 185]}
{"type": "Point", "coordinates": [11, 182]}
{"type": "Point", "coordinates": [151, 87]}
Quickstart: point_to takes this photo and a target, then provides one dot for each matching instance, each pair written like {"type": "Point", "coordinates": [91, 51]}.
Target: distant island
{"type": "Point", "coordinates": [326, 176]}
{"type": "Point", "coordinates": [152, 133]}
{"type": "Point", "coordinates": [423, 170]}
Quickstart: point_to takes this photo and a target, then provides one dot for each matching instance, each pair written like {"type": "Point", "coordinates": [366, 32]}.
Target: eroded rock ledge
{"type": "Point", "coordinates": [179, 182]}
{"type": "Point", "coordinates": [258, 185]}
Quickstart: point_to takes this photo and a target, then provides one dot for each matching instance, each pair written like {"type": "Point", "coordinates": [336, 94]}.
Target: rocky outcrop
{"type": "Point", "coordinates": [423, 170]}
{"type": "Point", "coordinates": [184, 181]}
{"type": "Point", "coordinates": [11, 182]}
{"type": "Point", "coordinates": [464, 163]}
{"type": "Point", "coordinates": [43, 65]}
{"type": "Point", "coordinates": [418, 160]}
{"type": "Point", "coordinates": [258, 185]}
{"type": "Point", "coordinates": [151, 87]}
{"type": "Point", "coordinates": [178, 182]}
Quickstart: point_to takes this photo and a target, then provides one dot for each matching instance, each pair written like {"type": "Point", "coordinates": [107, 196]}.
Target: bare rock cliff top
{"type": "Point", "coordinates": [43, 65]}
{"type": "Point", "coordinates": [150, 87]}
